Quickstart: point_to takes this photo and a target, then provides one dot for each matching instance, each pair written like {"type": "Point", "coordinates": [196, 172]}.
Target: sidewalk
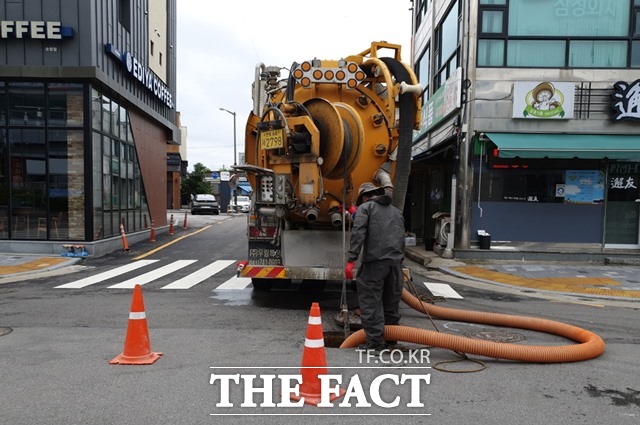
{"type": "Point", "coordinates": [16, 264]}
{"type": "Point", "coordinates": [577, 278]}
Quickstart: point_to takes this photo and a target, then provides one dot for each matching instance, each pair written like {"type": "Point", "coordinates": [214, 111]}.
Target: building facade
{"type": "Point", "coordinates": [531, 121]}
{"type": "Point", "coordinates": [87, 110]}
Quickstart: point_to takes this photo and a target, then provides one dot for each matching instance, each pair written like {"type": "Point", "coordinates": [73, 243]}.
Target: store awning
{"type": "Point", "coordinates": [245, 188]}
{"type": "Point", "coordinates": [563, 146]}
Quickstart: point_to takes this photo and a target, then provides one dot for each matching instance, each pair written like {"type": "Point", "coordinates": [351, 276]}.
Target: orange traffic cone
{"type": "Point", "coordinates": [152, 234]}
{"type": "Point", "coordinates": [314, 361]}
{"type": "Point", "coordinates": [171, 226]}
{"type": "Point", "coordinates": [184, 225]}
{"type": "Point", "coordinates": [137, 349]}
{"type": "Point", "coordinates": [125, 245]}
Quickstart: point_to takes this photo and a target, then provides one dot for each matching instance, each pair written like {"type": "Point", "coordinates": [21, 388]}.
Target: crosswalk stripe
{"type": "Point", "coordinates": [78, 284]}
{"type": "Point", "coordinates": [153, 275]}
{"type": "Point", "coordinates": [236, 283]}
{"type": "Point", "coordinates": [194, 278]}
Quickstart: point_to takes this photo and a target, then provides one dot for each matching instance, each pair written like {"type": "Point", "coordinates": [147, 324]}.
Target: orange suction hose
{"type": "Point", "coordinates": [589, 344]}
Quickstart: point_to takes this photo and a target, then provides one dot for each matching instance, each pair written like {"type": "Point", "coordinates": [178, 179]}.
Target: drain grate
{"type": "Point", "coordinates": [496, 336]}
{"type": "Point", "coordinates": [5, 331]}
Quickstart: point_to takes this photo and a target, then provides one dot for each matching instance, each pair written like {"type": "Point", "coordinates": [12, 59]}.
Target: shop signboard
{"type": "Point", "coordinates": [442, 103]}
{"type": "Point", "coordinates": [543, 100]}
{"type": "Point", "coordinates": [626, 101]}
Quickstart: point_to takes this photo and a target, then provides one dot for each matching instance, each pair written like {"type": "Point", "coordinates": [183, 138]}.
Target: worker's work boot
{"type": "Point", "coordinates": [371, 346]}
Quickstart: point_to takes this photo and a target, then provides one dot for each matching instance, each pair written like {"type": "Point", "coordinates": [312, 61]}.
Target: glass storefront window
{"type": "Point", "coordinates": [28, 171]}
{"type": "Point", "coordinates": [115, 158]}
{"type": "Point", "coordinates": [4, 186]}
{"type": "Point", "coordinates": [123, 125]}
{"type": "Point", "coordinates": [66, 185]}
{"type": "Point", "coordinates": [622, 224]}
{"type": "Point", "coordinates": [105, 103]}
{"type": "Point", "coordinates": [97, 185]}
{"type": "Point", "coordinates": [96, 110]}
{"type": "Point", "coordinates": [115, 119]}
{"type": "Point", "coordinates": [3, 104]}
{"type": "Point", "coordinates": [65, 105]}
{"type": "Point", "coordinates": [26, 104]}
{"type": "Point", "coordinates": [541, 181]}
{"type": "Point", "coordinates": [43, 186]}
{"type": "Point", "coordinates": [520, 185]}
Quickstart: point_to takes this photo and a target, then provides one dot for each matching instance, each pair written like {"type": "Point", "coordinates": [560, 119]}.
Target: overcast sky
{"type": "Point", "coordinates": [220, 43]}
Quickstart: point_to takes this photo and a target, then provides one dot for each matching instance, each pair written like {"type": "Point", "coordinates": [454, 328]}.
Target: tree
{"type": "Point", "coordinates": [194, 183]}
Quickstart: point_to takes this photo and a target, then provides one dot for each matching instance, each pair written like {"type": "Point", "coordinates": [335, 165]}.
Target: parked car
{"type": "Point", "coordinates": [204, 203]}
{"type": "Point", "coordinates": [244, 204]}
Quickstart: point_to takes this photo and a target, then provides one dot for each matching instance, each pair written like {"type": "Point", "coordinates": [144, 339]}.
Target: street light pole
{"type": "Point", "coordinates": [235, 195]}
{"type": "Point", "coordinates": [234, 133]}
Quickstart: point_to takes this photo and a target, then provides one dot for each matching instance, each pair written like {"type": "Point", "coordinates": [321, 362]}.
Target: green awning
{"type": "Point", "coordinates": [563, 146]}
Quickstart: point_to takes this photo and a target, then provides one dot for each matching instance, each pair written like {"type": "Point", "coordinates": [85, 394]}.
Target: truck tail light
{"type": "Point", "coordinates": [267, 231]}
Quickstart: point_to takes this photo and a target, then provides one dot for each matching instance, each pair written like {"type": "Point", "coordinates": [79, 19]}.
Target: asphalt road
{"type": "Point", "coordinates": [54, 363]}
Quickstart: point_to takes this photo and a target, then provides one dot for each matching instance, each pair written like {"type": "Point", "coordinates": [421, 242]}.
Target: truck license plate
{"type": "Point", "coordinates": [272, 139]}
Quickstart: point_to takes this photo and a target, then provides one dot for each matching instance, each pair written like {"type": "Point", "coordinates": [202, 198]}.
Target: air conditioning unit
{"type": "Point", "coordinates": [443, 225]}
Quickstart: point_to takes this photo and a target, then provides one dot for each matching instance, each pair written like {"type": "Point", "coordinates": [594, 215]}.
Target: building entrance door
{"type": "Point", "coordinates": [622, 212]}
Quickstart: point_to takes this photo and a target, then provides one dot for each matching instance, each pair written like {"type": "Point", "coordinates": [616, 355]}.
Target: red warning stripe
{"type": "Point", "coordinates": [264, 272]}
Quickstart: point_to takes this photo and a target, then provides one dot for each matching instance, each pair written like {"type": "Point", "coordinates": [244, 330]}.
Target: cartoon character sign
{"type": "Point", "coordinates": [544, 101]}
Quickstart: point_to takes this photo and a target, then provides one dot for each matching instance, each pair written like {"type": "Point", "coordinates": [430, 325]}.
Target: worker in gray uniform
{"type": "Point", "coordinates": [378, 231]}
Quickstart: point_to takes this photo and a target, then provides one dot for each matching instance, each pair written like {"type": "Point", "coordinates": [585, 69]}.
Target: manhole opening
{"type": "Point", "coordinates": [333, 339]}
{"type": "Point", "coordinates": [496, 336]}
{"type": "Point", "coordinates": [5, 331]}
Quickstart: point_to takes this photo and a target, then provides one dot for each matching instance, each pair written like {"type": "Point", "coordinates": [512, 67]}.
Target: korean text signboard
{"type": "Point", "coordinates": [626, 101]}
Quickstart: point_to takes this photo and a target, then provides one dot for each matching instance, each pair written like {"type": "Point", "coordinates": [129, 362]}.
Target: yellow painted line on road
{"type": "Point", "coordinates": [153, 251]}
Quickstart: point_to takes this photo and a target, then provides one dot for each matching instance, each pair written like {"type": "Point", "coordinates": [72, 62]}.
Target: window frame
{"type": "Point", "coordinates": [440, 64]}
{"type": "Point", "coordinates": [505, 38]}
{"type": "Point", "coordinates": [426, 82]}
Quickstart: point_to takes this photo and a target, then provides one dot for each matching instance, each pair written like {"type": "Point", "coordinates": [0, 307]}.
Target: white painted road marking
{"type": "Point", "coordinates": [194, 278]}
{"type": "Point", "coordinates": [153, 275]}
{"type": "Point", "coordinates": [78, 284]}
{"type": "Point", "coordinates": [236, 283]}
{"type": "Point", "coordinates": [442, 290]}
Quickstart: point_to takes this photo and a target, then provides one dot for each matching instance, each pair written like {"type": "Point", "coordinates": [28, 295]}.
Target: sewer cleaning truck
{"type": "Point", "coordinates": [313, 137]}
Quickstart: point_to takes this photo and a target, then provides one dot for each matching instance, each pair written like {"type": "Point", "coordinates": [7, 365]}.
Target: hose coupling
{"type": "Point", "coordinates": [312, 214]}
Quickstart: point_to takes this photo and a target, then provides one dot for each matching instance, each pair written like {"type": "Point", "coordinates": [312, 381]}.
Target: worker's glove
{"type": "Point", "coordinates": [352, 210]}
{"type": "Point", "coordinates": [348, 270]}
